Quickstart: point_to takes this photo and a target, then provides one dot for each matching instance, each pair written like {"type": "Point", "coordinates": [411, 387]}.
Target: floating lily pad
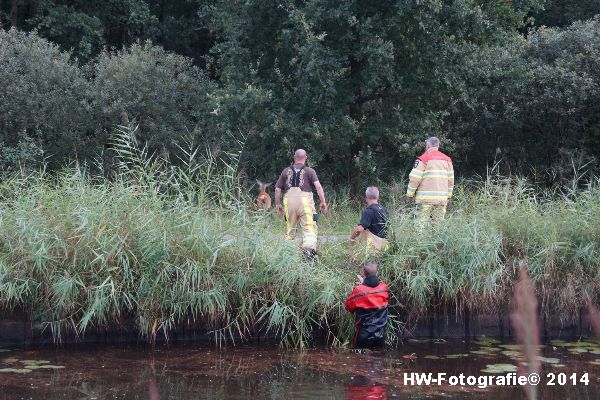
{"type": "Point", "coordinates": [485, 341]}
{"type": "Point", "coordinates": [559, 343]}
{"type": "Point", "coordinates": [431, 357]}
{"type": "Point", "coordinates": [512, 353]}
{"type": "Point", "coordinates": [453, 356]}
{"type": "Point", "coordinates": [510, 346]}
{"type": "Point", "coordinates": [548, 360]}
{"type": "Point", "coordinates": [485, 351]}
{"type": "Point", "coordinates": [34, 362]}
{"type": "Point", "coordinates": [46, 366]}
{"type": "Point", "coordinates": [482, 353]}
{"type": "Point", "coordinates": [499, 368]}
{"type": "Point", "coordinates": [578, 350]}
{"type": "Point", "coordinates": [16, 370]}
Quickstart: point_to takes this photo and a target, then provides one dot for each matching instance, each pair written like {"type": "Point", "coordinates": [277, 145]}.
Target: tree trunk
{"type": "Point", "coordinates": [14, 14]}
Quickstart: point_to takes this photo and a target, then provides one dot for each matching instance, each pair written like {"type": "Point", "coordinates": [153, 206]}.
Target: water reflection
{"type": "Point", "coordinates": [265, 372]}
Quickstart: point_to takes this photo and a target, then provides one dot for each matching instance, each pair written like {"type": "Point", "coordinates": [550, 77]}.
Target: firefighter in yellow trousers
{"type": "Point", "coordinates": [297, 183]}
{"type": "Point", "coordinates": [430, 183]}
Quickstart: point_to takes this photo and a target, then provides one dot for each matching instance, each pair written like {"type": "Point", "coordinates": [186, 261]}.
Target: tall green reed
{"type": "Point", "coordinates": [159, 245]}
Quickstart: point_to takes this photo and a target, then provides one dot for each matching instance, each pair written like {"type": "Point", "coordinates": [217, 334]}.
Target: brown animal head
{"type": "Point", "coordinates": [263, 200]}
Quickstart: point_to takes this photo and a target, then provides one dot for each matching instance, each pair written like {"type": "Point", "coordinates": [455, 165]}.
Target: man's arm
{"type": "Point", "coordinates": [415, 178]}
{"type": "Point", "coordinates": [321, 193]}
{"type": "Point", "coordinates": [278, 205]}
{"type": "Point", "coordinates": [350, 302]}
{"type": "Point", "coordinates": [356, 231]}
{"type": "Point", "coordinates": [450, 181]}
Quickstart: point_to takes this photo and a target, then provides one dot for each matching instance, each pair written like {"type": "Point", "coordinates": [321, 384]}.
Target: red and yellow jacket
{"type": "Point", "coordinates": [432, 178]}
{"type": "Point", "coordinates": [369, 303]}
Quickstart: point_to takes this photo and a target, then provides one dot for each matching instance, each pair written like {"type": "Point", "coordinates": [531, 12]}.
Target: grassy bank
{"type": "Point", "coordinates": [161, 245]}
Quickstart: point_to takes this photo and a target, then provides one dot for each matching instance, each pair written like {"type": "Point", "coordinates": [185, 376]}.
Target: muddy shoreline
{"type": "Point", "coordinates": [17, 329]}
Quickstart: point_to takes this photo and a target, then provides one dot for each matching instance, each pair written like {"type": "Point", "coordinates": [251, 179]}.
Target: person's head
{"type": "Point", "coordinates": [370, 269]}
{"type": "Point", "coordinates": [432, 142]}
{"type": "Point", "coordinates": [300, 156]}
{"type": "Point", "coordinates": [372, 195]}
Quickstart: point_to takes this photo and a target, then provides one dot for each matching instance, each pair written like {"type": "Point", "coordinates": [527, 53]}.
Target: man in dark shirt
{"type": "Point", "coordinates": [369, 303]}
{"type": "Point", "coordinates": [372, 228]}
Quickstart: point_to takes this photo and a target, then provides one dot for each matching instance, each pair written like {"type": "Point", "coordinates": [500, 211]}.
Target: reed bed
{"type": "Point", "coordinates": [162, 245]}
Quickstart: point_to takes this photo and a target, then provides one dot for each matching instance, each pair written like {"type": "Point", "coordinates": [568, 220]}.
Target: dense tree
{"type": "Point", "coordinates": [561, 13]}
{"type": "Point", "coordinates": [43, 101]}
{"type": "Point", "coordinates": [359, 83]}
{"type": "Point", "coordinates": [85, 27]}
{"type": "Point", "coordinates": [539, 101]}
{"type": "Point", "coordinates": [168, 96]}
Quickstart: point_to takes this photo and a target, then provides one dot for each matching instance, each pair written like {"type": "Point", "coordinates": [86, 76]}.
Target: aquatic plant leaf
{"type": "Point", "coordinates": [485, 341]}
{"type": "Point", "coordinates": [46, 366]}
{"type": "Point", "coordinates": [578, 350]}
{"type": "Point", "coordinates": [16, 370]}
{"type": "Point", "coordinates": [431, 357]}
{"type": "Point", "coordinates": [35, 361]}
{"type": "Point", "coordinates": [510, 346]}
{"type": "Point", "coordinates": [512, 354]}
{"type": "Point", "coordinates": [482, 352]}
{"type": "Point", "coordinates": [559, 343]}
{"type": "Point", "coordinates": [594, 362]}
{"type": "Point", "coordinates": [499, 368]}
{"type": "Point", "coordinates": [549, 360]}
{"type": "Point", "coordinates": [558, 365]}
{"type": "Point", "coordinates": [9, 360]}
{"type": "Point", "coordinates": [452, 356]}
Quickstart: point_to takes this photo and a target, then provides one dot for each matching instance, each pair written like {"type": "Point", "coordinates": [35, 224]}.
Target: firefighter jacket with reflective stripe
{"type": "Point", "coordinates": [432, 178]}
{"type": "Point", "coordinates": [370, 307]}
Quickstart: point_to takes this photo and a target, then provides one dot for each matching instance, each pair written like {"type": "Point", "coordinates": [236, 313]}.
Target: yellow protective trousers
{"type": "Point", "coordinates": [372, 243]}
{"type": "Point", "coordinates": [299, 206]}
{"type": "Point", "coordinates": [430, 214]}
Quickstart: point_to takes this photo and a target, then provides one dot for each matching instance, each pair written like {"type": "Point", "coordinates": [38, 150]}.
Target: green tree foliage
{"type": "Point", "coordinates": [359, 83]}
{"type": "Point", "coordinates": [43, 104]}
{"type": "Point", "coordinates": [165, 92]}
{"type": "Point", "coordinates": [85, 27]}
{"type": "Point", "coordinates": [564, 12]}
{"type": "Point", "coordinates": [539, 100]}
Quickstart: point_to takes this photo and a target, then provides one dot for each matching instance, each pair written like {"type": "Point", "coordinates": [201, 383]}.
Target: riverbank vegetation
{"type": "Point", "coordinates": [157, 245]}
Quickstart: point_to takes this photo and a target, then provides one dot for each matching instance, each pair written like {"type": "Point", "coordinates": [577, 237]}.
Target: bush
{"type": "Point", "coordinates": [164, 92]}
{"type": "Point", "coordinates": [43, 101]}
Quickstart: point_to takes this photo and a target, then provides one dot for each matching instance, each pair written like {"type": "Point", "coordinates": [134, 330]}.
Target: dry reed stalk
{"type": "Point", "coordinates": [524, 319]}
{"type": "Point", "coordinates": [594, 316]}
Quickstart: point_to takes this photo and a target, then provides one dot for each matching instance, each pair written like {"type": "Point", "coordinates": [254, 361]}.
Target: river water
{"type": "Point", "coordinates": [269, 372]}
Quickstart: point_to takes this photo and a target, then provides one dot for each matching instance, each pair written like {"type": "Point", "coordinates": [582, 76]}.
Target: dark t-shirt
{"type": "Point", "coordinates": [308, 177]}
{"type": "Point", "coordinates": [374, 218]}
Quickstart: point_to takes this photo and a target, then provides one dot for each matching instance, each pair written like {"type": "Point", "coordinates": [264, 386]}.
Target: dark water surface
{"type": "Point", "coordinates": [267, 372]}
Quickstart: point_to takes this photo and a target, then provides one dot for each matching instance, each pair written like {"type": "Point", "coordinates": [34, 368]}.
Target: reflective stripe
{"type": "Point", "coordinates": [433, 193]}
{"type": "Point", "coordinates": [440, 197]}
{"type": "Point", "coordinates": [416, 172]}
{"type": "Point", "coordinates": [288, 224]}
{"type": "Point", "coordinates": [309, 240]}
